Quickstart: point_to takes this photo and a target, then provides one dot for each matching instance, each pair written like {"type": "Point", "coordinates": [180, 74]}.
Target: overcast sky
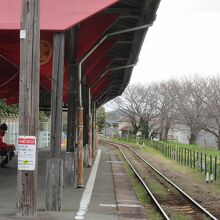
{"type": "Point", "coordinates": [184, 40]}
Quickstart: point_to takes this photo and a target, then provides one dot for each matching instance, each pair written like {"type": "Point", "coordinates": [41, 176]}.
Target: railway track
{"type": "Point", "coordinates": [169, 199]}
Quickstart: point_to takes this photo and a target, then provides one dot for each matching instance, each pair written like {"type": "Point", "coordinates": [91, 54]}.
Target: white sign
{"type": "Point", "coordinates": [26, 152]}
{"type": "Point", "coordinates": [22, 34]}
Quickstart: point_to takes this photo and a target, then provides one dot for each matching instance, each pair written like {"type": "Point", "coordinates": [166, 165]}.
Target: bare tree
{"type": "Point", "coordinates": [138, 104]}
{"type": "Point", "coordinates": [165, 106]}
{"type": "Point", "coordinates": [191, 101]}
{"type": "Point", "coordinates": [128, 104]}
{"type": "Point", "coordinates": [212, 124]}
{"type": "Point", "coordinates": [155, 108]}
{"type": "Point", "coordinates": [148, 111]}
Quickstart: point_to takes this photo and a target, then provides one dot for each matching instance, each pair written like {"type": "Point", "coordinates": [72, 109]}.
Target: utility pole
{"type": "Point", "coordinates": [28, 102]}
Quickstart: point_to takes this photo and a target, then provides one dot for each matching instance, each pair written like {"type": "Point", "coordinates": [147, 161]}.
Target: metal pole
{"type": "Point", "coordinates": [112, 69]}
{"type": "Point", "coordinates": [97, 45]}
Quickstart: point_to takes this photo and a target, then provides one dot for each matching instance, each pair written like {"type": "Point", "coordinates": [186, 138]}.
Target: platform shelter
{"type": "Point", "coordinates": [69, 55]}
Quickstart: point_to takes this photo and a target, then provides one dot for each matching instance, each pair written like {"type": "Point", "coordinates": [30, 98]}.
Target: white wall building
{"type": "Point", "coordinates": [181, 134]}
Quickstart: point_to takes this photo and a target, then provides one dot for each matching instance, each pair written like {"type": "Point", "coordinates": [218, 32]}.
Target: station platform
{"type": "Point", "coordinates": [107, 194]}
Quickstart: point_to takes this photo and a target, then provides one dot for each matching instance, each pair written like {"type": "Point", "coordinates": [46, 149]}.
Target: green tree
{"type": "Point", "coordinates": [43, 118]}
{"type": "Point", "coordinates": [7, 109]}
{"type": "Point", "coordinates": [100, 118]}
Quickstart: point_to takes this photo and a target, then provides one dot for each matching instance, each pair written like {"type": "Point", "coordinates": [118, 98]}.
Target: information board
{"type": "Point", "coordinates": [26, 152]}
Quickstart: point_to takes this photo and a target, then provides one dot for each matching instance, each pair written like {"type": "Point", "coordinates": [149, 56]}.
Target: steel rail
{"type": "Point", "coordinates": [174, 185]}
{"type": "Point", "coordinates": [164, 214]}
{"type": "Point", "coordinates": [145, 186]}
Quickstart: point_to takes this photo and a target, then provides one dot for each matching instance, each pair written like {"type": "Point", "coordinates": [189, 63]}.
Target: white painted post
{"type": "Point", "coordinates": [207, 177]}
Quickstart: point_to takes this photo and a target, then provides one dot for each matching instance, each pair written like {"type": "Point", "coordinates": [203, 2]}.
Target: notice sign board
{"type": "Point", "coordinates": [26, 152]}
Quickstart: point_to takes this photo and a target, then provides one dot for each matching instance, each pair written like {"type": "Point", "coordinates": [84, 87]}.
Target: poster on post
{"type": "Point", "coordinates": [26, 152]}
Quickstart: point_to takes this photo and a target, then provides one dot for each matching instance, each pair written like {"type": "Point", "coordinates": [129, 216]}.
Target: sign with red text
{"type": "Point", "coordinates": [26, 152]}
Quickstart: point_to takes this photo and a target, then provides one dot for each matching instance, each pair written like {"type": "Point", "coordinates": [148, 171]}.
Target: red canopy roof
{"type": "Point", "coordinates": [93, 27]}
{"type": "Point", "coordinates": [60, 16]}
{"type": "Point", "coordinates": [56, 15]}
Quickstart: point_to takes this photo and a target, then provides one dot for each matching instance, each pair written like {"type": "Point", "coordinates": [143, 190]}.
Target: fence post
{"type": "Point", "coordinates": [187, 153]}
{"type": "Point", "coordinates": [201, 162]}
{"type": "Point", "coordinates": [215, 167]}
{"type": "Point", "coordinates": [182, 156]}
{"type": "Point", "coordinates": [210, 164]}
{"type": "Point", "coordinates": [194, 159]}
{"type": "Point", "coordinates": [190, 158]}
{"type": "Point", "coordinates": [177, 155]}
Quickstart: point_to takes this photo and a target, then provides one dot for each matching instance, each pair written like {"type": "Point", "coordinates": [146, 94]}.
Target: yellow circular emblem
{"type": "Point", "coordinates": [45, 51]}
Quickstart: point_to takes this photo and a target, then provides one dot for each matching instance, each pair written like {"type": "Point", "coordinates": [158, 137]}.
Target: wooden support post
{"type": "Point", "coordinates": [92, 109]}
{"type": "Point", "coordinates": [86, 155]}
{"type": "Point", "coordinates": [87, 127]}
{"type": "Point", "coordinates": [90, 130]}
{"type": "Point", "coordinates": [96, 132]}
{"type": "Point", "coordinates": [57, 94]}
{"type": "Point", "coordinates": [93, 129]}
{"type": "Point", "coordinates": [80, 129]}
{"type": "Point", "coordinates": [54, 177]}
{"type": "Point", "coordinates": [76, 166]}
{"type": "Point", "coordinates": [28, 101]}
{"type": "Point", "coordinates": [54, 191]}
{"type": "Point", "coordinates": [72, 93]}
{"type": "Point", "coordinates": [85, 124]}
{"type": "Point", "coordinates": [69, 167]}
{"type": "Point", "coordinates": [85, 114]}
{"type": "Point", "coordinates": [80, 147]}
{"type": "Point", "coordinates": [71, 120]}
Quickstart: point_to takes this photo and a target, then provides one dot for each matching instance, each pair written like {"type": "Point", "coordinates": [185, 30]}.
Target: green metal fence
{"type": "Point", "coordinates": [202, 162]}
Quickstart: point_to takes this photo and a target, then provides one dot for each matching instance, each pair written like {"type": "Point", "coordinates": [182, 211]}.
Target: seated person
{"type": "Point", "coordinates": [6, 150]}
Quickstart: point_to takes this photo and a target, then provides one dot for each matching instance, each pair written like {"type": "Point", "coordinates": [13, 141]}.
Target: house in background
{"type": "Point", "coordinates": [126, 131]}
{"type": "Point", "coordinates": [125, 128]}
{"type": "Point", "coordinates": [117, 126]}
{"type": "Point", "coordinates": [111, 128]}
{"type": "Point", "coordinates": [180, 133]}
